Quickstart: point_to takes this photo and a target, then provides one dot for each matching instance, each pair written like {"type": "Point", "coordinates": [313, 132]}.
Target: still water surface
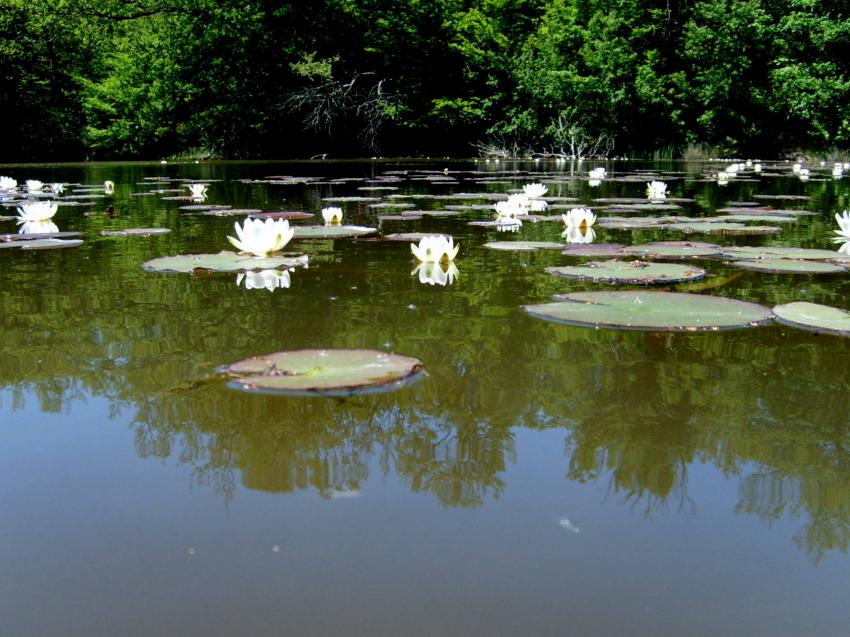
{"type": "Point", "coordinates": [542, 479]}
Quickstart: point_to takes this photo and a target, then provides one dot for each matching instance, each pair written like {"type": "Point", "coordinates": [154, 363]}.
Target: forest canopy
{"type": "Point", "coordinates": [117, 79]}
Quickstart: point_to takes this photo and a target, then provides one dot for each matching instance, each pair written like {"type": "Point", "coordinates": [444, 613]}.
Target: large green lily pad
{"type": "Point", "coordinates": [630, 272]}
{"type": "Point", "coordinates": [594, 250]}
{"type": "Point", "coordinates": [42, 244]}
{"type": "Point", "coordinates": [813, 316]}
{"type": "Point", "coordinates": [789, 266]}
{"type": "Point", "coordinates": [732, 229]}
{"type": "Point", "coordinates": [224, 261]}
{"type": "Point", "coordinates": [333, 372]}
{"type": "Point", "coordinates": [524, 246]}
{"type": "Point", "coordinates": [330, 232]}
{"type": "Point", "coordinates": [653, 311]}
{"type": "Point", "coordinates": [779, 252]}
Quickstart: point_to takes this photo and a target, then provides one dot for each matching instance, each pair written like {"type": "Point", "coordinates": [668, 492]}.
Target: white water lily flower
{"type": "Point", "coordinates": [260, 237]}
{"type": "Point", "coordinates": [509, 210]}
{"type": "Point", "coordinates": [796, 168]}
{"type": "Point", "coordinates": [436, 248]}
{"type": "Point", "coordinates": [803, 174]}
{"type": "Point", "coordinates": [431, 273]}
{"type": "Point", "coordinates": [723, 178]}
{"type": "Point", "coordinates": [579, 218]}
{"type": "Point", "coordinates": [34, 185]}
{"type": "Point", "coordinates": [198, 191]}
{"type": "Point", "coordinates": [520, 202]}
{"type": "Point", "coordinates": [756, 168]}
{"type": "Point", "coordinates": [38, 227]}
{"type": "Point", "coordinates": [534, 190]}
{"type": "Point", "coordinates": [594, 182]}
{"type": "Point", "coordinates": [57, 188]}
{"type": "Point", "coordinates": [598, 173]}
{"type": "Point", "coordinates": [843, 231]}
{"type": "Point", "coordinates": [269, 280]}
{"type": "Point", "coordinates": [748, 163]}
{"type": "Point", "coordinates": [7, 183]}
{"type": "Point", "coordinates": [838, 171]}
{"type": "Point", "coordinates": [108, 187]}
{"type": "Point", "coordinates": [579, 234]}
{"type": "Point", "coordinates": [731, 171]}
{"type": "Point", "coordinates": [656, 190]}
{"type": "Point", "coordinates": [36, 211]}
{"type": "Point", "coordinates": [332, 215]}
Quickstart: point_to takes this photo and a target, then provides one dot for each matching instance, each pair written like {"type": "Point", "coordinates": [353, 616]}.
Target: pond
{"type": "Point", "coordinates": [540, 477]}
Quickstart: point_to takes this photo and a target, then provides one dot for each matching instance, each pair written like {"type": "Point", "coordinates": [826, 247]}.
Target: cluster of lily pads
{"type": "Point", "coordinates": [260, 263]}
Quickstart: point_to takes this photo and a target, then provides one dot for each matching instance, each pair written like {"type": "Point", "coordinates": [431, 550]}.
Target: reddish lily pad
{"type": "Point", "coordinates": [327, 372]}
{"type": "Point", "coordinates": [652, 311]}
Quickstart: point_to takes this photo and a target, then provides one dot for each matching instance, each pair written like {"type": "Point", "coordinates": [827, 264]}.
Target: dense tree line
{"type": "Point", "coordinates": [280, 78]}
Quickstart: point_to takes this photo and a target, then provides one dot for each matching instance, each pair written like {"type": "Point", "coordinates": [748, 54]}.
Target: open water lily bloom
{"type": "Point", "coordinates": [269, 280]}
{"type": "Point", "coordinates": [36, 211]}
{"type": "Point", "coordinates": [534, 190]}
{"type": "Point", "coordinates": [198, 191]}
{"type": "Point", "coordinates": [436, 273]}
{"type": "Point", "coordinates": [332, 215]}
{"type": "Point", "coordinates": [597, 174]}
{"type": "Point", "coordinates": [436, 248]}
{"type": "Point", "coordinates": [38, 227]}
{"type": "Point", "coordinates": [108, 187]}
{"type": "Point", "coordinates": [260, 237]}
{"type": "Point", "coordinates": [843, 231]}
{"type": "Point", "coordinates": [656, 190]}
{"type": "Point", "coordinates": [8, 184]}
{"type": "Point", "coordinates": [579, 234]}
{"type": "Point", "coordinates": [34, 185]}
{"type": "Point", "coordinates": [57, 188]}
{"type": "Point", "coordinates": [579, 218]}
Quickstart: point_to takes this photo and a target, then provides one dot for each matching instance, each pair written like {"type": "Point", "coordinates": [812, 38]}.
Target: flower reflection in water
{"type": "Point", "coordinates": [264, 279]}
{"type": "Point", "coordinates": [433, 273]}
{"type": "Point", "coordinates": [38, 227]}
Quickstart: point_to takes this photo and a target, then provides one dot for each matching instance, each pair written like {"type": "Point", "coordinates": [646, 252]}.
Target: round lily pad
{"type": "Point", "coordinates": [201, 207]}
{"type": "Point", "coordinates": [328, 372]}
{"type": "Point", "coordinates": [653, 311]}
{"type": "Point", "coordinates": [284, 214]}
{"type": "Point", "coordinates": [409, 236]}
{"type": "Point", "coordinates": [42, 244]}
{"type": "Point", "coordinates": [674, 250]}
{"type": "Point", "coordinates": [524, 246]}
{"type": "Point", "coordinates": [736, 229]}
{"type": "Point", "coordinates": [630, 272]}
{"type": "Point", "coordinates": [779, 252]}
{"type": "Point", "coordinates": [789, 266]}
{"type": "Point", "coordinates": [39, 235]}
{"type": "Point", "coordinates": [815, 317]}
{"type": "Point", "coordinates": [594, 250]}
{"type": "Point", "coordinates": [135, 232]}
{"type": "Point", "coordinates": [231, 212]}
{"type": "Point", "coordinates": [224, 261]}
{"type": "Point", "coordinates": [383, 218]}
{"type": "Point", "coordinates": [330, 232]}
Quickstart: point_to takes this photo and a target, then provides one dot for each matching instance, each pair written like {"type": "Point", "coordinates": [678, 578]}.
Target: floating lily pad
{"type": "Point", "coordinates": [789, 266]}
{"type": "Point", "coordinates": [330, 232]}
{"type": "Point", "coordinates": [410, 236]}
{"type": "Point", "coordinates": [383, 218]}
{"type": "Point", "coordinates": [813, 316]}
{"type": "Point", "coordinates": [742, 218]}
{"type": "Point", "coordinates": [231, 212]}
{"type": "Point", "coordinates": [736, 229]}
{"type": "Point", "coordinates": [224, 261]}
{"type": "Point", "coordinates": [524, 246]}
{"type": "Point", "coordinates": [39, 235]}
{"type": "Point", "coordinates": [630, 272]}
{"type": "Point", "coordinates": [654, 311]}
{"type": "Point", "coordinates": [674, 250]}
{"type": "Point", "coordinates": [135, 232]}
{"type": "Point", "coordinates": [332, 372]}
{"type": "Point", "coordinates": [778, 252]}
{"type": "Point", "coordinates": [42, 244]}
{"type": "Point", "coordinates": [345, 199]}
{"type": "Point", "coordinates": [283, 214]}
{"type": "Point", "coordinates": [201, 207]}
{"type": "Point", "coordinates": [594, 250]}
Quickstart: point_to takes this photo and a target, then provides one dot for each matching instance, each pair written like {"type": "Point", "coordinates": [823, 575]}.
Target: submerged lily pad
{"type": "Point", "coordinates": [524, 246]}
{"type": "Point", "coordinates": [330, 232]}
{"type": "Point", "coordinates": [224, 261]}
{"type": "Point", "coordinates": [654, 311]}
{"type": "Point", "coordinates": [789, 266]}
{"type": "Point", "coordinates": [329, 372]}
{"type": "Point", "coordinates": [630, 272]}
{"type": "Point", "coordinates": [135, 232]}
{"type": "Point", "coordinates": [813, 316]}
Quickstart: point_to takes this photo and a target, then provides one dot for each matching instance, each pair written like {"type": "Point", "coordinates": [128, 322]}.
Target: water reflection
{"type": "Point", "coordinates": [636, 410]}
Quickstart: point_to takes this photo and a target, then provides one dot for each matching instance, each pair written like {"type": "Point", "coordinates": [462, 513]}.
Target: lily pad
{"type": "Point", "coordinates": [815, 317]}
{"type": "Point", "coordinates": [778, 252]}
{"type": "Point", "coordinates": [790, 266]}
{"type": "Point", "coordinates": [735, 229]}
{"type": "Point", "coordinates": [383, 218]}
{"type": "Point", "coordinates": [224, 261]}
{"type": "Point", "coordinates": [594, 250]}
{"type": "Point", "coordinates": [330, 232]}
{"type": "Point", "coordinates": [524, 246]}
{"type": "Point", "coordinates": [653, 311]}
{"type": "Point", "coordinates": [410, 236]}
{"type": "Point", "coordinates": [283, 214]}
{"type": "Point", "coordinates": [630, 272]}
{"type": "Point", "coordinates": [39, 235]}
{"type": "Point", "coordinates": [327, 372]}
{"type": "Point", "coordinates": [135, 232]}
{"type": "Point", "coordinates": [231, 212]}
{"type": "Point", "coordinates": [42, 244]}
{"type": "Point", "coordinates": [674, 250]}
{"type": "Point", "coordinates": [202, 207]}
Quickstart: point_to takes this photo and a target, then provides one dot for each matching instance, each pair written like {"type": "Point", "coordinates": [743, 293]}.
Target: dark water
{"type": "Point", "coordinates": [541, 480]}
